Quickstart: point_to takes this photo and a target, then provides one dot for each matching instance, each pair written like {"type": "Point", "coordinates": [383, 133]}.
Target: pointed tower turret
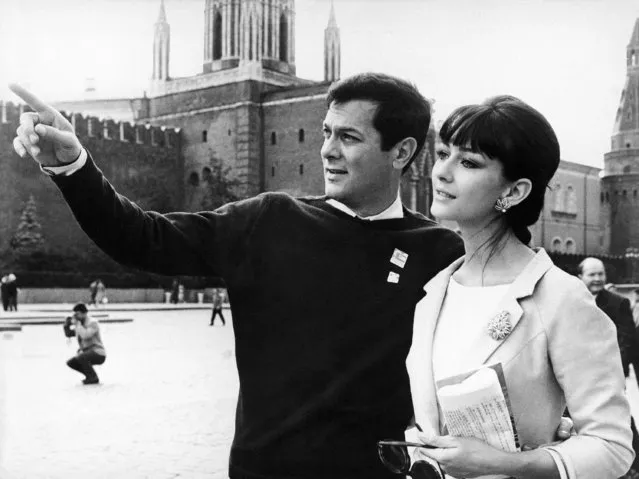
{"type": "Point", "coordinates": [620, 176]}
{"type": "Point", "coordinates": [332, 48]}
{"type": "Point", "coordinates": [161, 46]}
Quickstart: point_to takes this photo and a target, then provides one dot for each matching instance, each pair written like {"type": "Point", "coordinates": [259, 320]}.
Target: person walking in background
{"type": "Point", "coordinates": [3, 293]}
{"type": "Point", "coordinates": [91, 348]}
{"type": "Point", "coordinates": [218, 301]}
{"type": "Point", "coordinates": [175, 289]}
{"type": "Point", "coordinates": [93, 290]}
{"type": "Point", "coordinates": [506, 305]}
{"type": "Point", "coordinates": [12, 292]}
{"type": "Point", "coordinates": [101, 294]}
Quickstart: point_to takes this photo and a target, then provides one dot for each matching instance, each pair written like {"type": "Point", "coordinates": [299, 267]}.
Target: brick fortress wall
{"type": "Point", "coordinates": [143, 162]}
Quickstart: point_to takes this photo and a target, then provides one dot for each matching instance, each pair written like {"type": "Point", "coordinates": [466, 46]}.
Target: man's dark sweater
{"type": "Point", "coordinates": [321, 330]}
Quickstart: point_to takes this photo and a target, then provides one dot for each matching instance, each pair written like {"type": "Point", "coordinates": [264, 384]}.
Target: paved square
{"type": "Point", "coordinates": [165, 408]}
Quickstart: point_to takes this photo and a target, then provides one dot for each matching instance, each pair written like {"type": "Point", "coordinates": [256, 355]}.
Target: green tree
{"type": "Point", "coordinates": [28, 236]}
{"type": "Point", "coordinates": [221, 187]}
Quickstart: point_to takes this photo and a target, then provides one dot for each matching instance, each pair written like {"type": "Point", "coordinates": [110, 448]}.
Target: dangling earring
{"type": "Point", "coordinates": [502, 205]}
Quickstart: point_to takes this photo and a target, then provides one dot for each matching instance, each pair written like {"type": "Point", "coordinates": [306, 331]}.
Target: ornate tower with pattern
{"type": "Point", "coordinates": [249, 33]}
{"type": "Point", "coordinates": [620, 176]}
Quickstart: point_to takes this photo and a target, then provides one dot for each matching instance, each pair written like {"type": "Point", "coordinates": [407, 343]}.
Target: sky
{"type": "Point", "coordinates": [564, 57]}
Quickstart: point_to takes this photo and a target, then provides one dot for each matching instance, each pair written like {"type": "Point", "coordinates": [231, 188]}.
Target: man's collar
{"type": "Point", "coordinates": [394, 211]}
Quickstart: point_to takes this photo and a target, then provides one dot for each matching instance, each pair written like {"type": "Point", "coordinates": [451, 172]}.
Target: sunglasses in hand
{"type": "Point", "coordinates": [394, 455]}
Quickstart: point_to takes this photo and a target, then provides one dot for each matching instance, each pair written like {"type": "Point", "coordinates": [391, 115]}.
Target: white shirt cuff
{"type": "Point", "coordinates": [69, 168]}
{"type": "Point", "coordinates": [561, 467]}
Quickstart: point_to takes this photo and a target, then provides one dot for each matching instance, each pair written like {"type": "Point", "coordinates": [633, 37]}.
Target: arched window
{"type": "Point", "coordinates": [206, 174]}
{"type": "Point", "coordinates": [570, 246]}
{"type": "Point", "coordinates": [557, 245]}
{"type": "Point", "coordinates": [300, 135]}
{"type": "Point", "coordinates": [302, 169]}
{"type": "Point", "coordinates": [217, 37]}
{"type": "Point", "coordinates": [194, 179]}
{"type": "Point", "coordinates": [559, 198]}
{"type": "Point", "coordinates": [273, 138]}
{"type": "Point", "coordinates": [571, 200]}
{"type": "Point", "coordinates": [283, 39]}
{"type": "Point", "coordinates": [205, 135]}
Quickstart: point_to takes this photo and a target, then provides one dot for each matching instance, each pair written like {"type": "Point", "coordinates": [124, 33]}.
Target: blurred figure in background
{"type": "Point", "coordinates": [12, 292]}
{"type": "Point", "coordinates": [93, 290]}
{"type": "Point", "coordinates": [175, 286]}
{"type": "Point", "coordinates": [218, 301]}
{"type": "Point", "coordinates": [101, 295]}
{"type": "Point", "coordinates": [4, 294]}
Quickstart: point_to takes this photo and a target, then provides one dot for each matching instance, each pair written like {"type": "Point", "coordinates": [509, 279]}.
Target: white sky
{"type": "Point", "coordinates": [565, 57]}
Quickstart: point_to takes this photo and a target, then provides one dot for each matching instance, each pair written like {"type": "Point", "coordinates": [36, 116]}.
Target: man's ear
{"type": "Point", "coordinates": [403, 152]}
{"type": "Point", "coordinates": [518, 191]}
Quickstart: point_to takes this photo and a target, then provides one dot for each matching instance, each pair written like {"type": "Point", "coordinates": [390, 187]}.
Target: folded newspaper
{"type": "Point", "coordinates": [476, 405]}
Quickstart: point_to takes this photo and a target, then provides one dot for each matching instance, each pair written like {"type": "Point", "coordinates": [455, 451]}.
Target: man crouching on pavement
{"type": "Point", "coordinates": [91, 349]}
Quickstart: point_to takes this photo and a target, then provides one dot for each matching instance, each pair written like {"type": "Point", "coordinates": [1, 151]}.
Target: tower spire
{"type": "Point", "coordinates": [161, 46]}
{"type": "Point", "coordinates": [162, 16]}
{"type": "Point", "coordinates": [332, 48]}
{"type": "Point", "coordinates": [331, 19]}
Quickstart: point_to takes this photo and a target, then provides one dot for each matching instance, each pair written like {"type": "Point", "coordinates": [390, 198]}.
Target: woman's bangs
{"type": "Point", "coordinates": [473, 127]}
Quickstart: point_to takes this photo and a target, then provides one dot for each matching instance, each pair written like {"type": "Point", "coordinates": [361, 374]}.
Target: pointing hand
{"type": "Point", "coordinates": [44, 133]}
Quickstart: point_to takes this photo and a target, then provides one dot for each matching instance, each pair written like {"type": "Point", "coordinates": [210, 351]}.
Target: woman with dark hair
{"type": "Point", "coordinates": [504, 305]}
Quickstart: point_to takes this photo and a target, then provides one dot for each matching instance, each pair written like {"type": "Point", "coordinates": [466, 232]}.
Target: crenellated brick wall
{"type": "Point", "coordinates": [143, 162]}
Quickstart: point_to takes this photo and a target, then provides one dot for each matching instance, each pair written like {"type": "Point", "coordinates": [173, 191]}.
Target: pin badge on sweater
{"type": "Point", "coordinates": [393, 277]}
{"type": "Point", "coordinates": [399, 258]}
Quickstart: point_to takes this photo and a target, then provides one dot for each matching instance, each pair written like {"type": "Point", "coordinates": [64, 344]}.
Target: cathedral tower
{"type": "Point", "coordinates": [161, 45]}
{"type": "Point", "coordinates": [249, 33]}
{"type": "Point", "coordinates": [332, 51]}
{"type": "Point", "coordinates": [620, 176]}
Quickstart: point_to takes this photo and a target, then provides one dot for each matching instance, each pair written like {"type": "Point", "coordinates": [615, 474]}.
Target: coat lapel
{"type": "Point", "coordinates": [420, 361]}
{"type": "Point", "coordinates": [521, 288]}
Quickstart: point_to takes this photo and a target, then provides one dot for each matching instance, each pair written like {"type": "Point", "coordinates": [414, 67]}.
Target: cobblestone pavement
{"type": "Point", "coordinates": [165, 408]}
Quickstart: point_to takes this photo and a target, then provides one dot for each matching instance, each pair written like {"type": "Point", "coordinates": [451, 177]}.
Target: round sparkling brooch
{"type": "Point", "coordinates": [500, 326]}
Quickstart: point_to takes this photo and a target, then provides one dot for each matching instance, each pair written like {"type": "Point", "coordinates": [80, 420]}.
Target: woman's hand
{"type": "Point", "coordinates": [464, 457]}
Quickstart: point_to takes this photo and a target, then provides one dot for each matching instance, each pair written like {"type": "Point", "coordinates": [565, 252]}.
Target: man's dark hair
{"type": "Point", "coordinates": [402, 111]}
{"type": "Point", "coordinates": [80, 308]}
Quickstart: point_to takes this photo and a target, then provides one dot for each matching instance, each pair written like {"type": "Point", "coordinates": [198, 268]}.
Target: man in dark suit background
{"type": "Point", "coordinates": [593, 274]}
